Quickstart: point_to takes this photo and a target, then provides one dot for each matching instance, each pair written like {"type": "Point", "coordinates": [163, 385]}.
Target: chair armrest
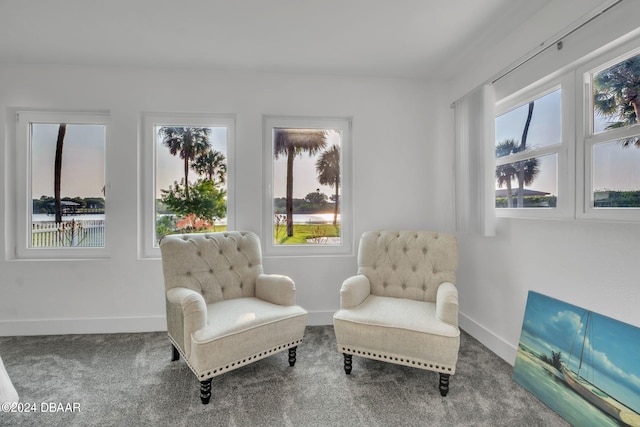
{"type": "Point", "coordinates": [354, 291]}
{"type": "Point", "coordinates": [194, 309]}
{"type": "Point", "coordinates": [276, 289]}
{"type": "Point", "coordinates": [447, 303]}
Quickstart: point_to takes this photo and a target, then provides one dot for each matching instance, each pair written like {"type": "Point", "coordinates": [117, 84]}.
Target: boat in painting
{"type": "Point", "coordinates": [595, 395]}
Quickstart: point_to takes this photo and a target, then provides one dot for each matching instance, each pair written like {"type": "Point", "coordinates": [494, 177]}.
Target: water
{"type": "Point", "coordinates": [297, 218]}
{"type": "Point", "coordinates": [547, 385]}
{"type": "Point", "coordinates": [312, 218]}
{"type": "Point", "coordinates": [65, 218]}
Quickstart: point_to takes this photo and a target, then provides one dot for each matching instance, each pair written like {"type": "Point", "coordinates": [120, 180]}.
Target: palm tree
{"type": "Point", "coordinates": [189, 142]}
{"type": "Point", "coordinates": [293, 142]}
{"type": "Point", "coordinates": [57, 172]}
{"type": "Point", "coordinates": [328, 168]}
{"type": "Point", "coordinates": [523, 147]}
{"type": "Point", "coordinates": [616, 95]}
{"type": "Point", "coordinates": [529, 169]}
{"type": "Point", "coordinates": [506, 173]}
{"type": "Point", "coordinates": [212, 164]}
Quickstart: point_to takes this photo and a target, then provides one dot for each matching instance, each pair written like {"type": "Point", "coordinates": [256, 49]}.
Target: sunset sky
{"type": "Point", "coordinates": [82, 160]}
{"type": "Point", "coordinates": [170, 168]}
{"type": "Point", "coordinates": [615, 167]}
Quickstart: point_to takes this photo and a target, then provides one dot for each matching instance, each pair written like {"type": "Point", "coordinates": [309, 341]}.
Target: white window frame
{"type": "Point", "coordinates": [23, 206]}
{"type": "Point", "coordinates": [564, 150]}
{"type": "Point", "coordinates": [584, 204]}
{"type": "Point", "coordinates": [147, 155]}
{"type": "Point", "coordinates": [344, 124]}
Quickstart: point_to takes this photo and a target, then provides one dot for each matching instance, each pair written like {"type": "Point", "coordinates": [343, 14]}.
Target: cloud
{"type": "Point", "coordinates": [603, 364]}
{"type": "Point", "coordinates": [562, 329]}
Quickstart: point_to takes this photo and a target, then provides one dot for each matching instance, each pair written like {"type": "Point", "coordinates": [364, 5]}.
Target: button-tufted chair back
{"type": "Point", "coordinates": [219, 266]}
{"type": "Point", "coordinates": [408, 264]}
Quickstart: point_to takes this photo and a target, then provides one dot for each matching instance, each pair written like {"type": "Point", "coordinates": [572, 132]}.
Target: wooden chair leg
{"type": "Point", "coordinates": [175, 355]}
{"type": "Point", "coordinates": [444, 384]}
{"type": "Point", "coordinates": [348, 362]}
{"type": "Point", "coordinates": [292, 356]}
{"type": "Point", "coordinates": [205, 391]}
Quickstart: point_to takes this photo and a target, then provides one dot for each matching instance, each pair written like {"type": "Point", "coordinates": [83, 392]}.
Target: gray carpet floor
{"type": "Point", "coordinates": [129, 380]}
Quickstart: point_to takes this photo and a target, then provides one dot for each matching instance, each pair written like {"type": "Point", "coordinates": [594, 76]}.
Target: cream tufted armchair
{"type": "Point", "coordinates": [402, 306]}
{"type": "Point", "coordinates": [222, 311]}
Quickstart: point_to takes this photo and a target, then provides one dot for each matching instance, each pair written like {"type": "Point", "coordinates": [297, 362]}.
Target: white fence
{"type": "Point", "coordinates": [75, 233]}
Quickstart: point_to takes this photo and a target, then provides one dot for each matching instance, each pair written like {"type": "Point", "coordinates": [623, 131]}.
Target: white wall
{"type": "Point", "coordinates": [395, 171]}
{"type": "Point", "coordinates": [586, 263]}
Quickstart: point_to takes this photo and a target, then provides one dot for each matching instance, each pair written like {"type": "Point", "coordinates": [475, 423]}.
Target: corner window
{"type": "Point", "coordinates": [187, 176]}
{"type": "Point", "coordinates": [612, 139]}
{"type": "Point", "coordinates": [582, 135]}
{"type": "Point", "coordinates": [61, 185]}
{"type": "Point", "coordinates": [531, 152]}
{"type": "Point", "coordinates": [307, 207]}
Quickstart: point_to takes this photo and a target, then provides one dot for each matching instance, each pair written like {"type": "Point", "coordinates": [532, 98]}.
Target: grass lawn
{"type": "Point", "coordinates": [302, 232]}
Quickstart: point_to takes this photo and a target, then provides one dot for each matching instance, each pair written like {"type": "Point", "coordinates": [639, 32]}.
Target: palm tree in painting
{"type": "Point", "coordinates": [328, 168]}
{"type": "Point", "coordinates": [211, 164]}
{"type": "Point", "coordinates": [57, 172]}
{"type": "Point", "coordinates": [291, 143]}
{"type": "Point", "coordinates": [188, 142]}
{"type": "Point", "coordinates": [616, 95]}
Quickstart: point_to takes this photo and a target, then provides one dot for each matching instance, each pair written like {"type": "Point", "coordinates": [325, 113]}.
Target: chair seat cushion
{"type": "Point", "coordinates": [241, 314]}
{"type": "Point", "coordinates": [398, 330]}
{"type": "Point", "coordinates": [242, 330]}
{"type": "Point", "coordinates": [401, 313]}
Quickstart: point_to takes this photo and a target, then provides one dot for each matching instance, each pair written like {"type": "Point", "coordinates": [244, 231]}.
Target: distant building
{"type": "Point", "coordinates": [68, 207]}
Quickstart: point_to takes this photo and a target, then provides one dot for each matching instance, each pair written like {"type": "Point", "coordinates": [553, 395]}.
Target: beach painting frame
{"type": "Point", "coordinates": [583, 365]}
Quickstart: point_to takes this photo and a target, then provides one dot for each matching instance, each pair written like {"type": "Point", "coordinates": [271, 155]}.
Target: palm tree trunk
{"type": "Point", "coordinates": [186, 178]}
{"type": "Point", "coordinates": [509, 198]}
{"type": "Point", "coordinates": [636, 109]}
{"type": "Point", "coordinates": [291, 154]}
{"type": "Point", "coordinates": [335, 211]}
{"type": "Point", "coordinates": [523, 147]}
{"type": "Point", "coordinates": [57, 173]}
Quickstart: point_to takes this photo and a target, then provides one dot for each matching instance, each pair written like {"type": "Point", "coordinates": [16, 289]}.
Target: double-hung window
{"type": "Point", "coordinates": [61, 188]}
{"type": "Point", "coordinates": [611, 148]}
{"type": "Point", "coordinates": [533, 135]}
{"type": "Point", "coordinates": [187, 176]}
{"type": "Point", "coordinates": [569, 146]}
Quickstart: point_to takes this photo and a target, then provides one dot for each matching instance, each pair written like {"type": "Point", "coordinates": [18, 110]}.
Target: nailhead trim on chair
{"type": "Point", "coordinates": [385, 357]}
{"type": "Point", "coordinates": [247, 360]}
{"type": "Point", "coordinates": [238, 363]}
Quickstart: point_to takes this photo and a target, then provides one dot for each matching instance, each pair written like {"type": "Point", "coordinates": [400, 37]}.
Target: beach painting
{"type": "Point", "coordinates": [583, 365]}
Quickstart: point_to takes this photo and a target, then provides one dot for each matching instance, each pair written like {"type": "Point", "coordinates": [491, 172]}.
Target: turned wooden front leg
{"type": "Point", "coordinates": [292, 356]}
{"type": "Point", "coordinates": [348, 363]}
{"type": "Point", "coordinates": [444, 384]}
{"type": "Point", "coordinates": [205, 391]}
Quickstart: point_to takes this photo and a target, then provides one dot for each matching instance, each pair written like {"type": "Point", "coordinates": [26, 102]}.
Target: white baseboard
{"type": "Point", "coordinates": [493, 342]}
{"type": "Point", "coordinates": [82, 326]}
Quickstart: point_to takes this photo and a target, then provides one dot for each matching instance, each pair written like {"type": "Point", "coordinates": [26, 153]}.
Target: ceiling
{"type": "Point", "coordinates": [383, 38]}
